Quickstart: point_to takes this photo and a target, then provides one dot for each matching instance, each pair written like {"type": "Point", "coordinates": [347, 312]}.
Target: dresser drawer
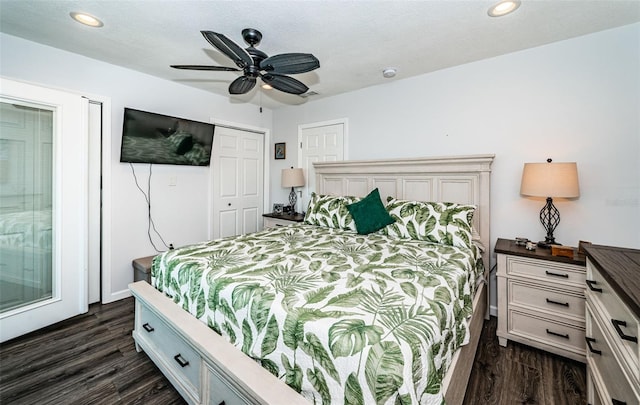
{"type": "Point", "coordinates": [184, 362]}
{"type": "Point", "coordinates": [569, 303]}
{"type": "Point", "coordinates": [546, 271]}
{"type": "Point", "coordinates": [220, 392]}
{"type": "Point", "coordinates": [604, 366]}
{"type": "Point", "coordinates": [623, 326]}
{"type": "Point", "coordinates": [559, 334]}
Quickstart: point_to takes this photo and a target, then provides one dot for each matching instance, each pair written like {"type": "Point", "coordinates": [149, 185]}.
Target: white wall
{"type": "Point", "coordinates": [575, 100]}
{"type": "Point", "coordinates": [180, 212]}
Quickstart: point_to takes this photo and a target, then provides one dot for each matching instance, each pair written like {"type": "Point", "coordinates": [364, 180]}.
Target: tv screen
{"type": "Point", "coordinates": [155, 138]}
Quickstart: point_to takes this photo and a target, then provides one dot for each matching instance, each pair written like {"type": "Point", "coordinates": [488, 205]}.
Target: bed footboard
{"type": "Point", "coordinates": [201, 365]}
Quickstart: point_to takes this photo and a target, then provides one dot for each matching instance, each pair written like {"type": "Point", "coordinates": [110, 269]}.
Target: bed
{"type": "Point", "coordinates": [320, 313]}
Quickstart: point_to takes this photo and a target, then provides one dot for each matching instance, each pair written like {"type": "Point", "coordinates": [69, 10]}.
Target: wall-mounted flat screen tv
{"type": "Point", "coordinates": [155, 138]}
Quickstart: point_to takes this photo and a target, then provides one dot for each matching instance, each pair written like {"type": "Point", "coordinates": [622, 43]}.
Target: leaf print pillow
{"type": "Point", "coordinates": [445, 223]}
{"type": "Point", "coordinates": [330, 211]}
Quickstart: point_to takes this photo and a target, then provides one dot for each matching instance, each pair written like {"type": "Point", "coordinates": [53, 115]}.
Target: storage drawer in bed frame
{"type": "Point", "coordinates": [202, 366]}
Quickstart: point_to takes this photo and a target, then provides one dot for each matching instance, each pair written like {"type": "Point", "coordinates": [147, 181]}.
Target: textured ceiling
{"type": "Point", "coordinates": [354, 40]}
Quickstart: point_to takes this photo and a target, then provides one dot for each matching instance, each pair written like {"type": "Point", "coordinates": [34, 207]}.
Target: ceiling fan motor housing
{"type": "Point", "coordinates": [251, 36]}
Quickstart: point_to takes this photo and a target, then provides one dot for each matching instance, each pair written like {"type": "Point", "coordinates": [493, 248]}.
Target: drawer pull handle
{"type": "Point", "coordinates": [564, 304]}
{"type": "Point", "coordinates": [148, 327]}
{"type": "Point", "coordinates": [183, 363]}
{"type": "Point", "coordinates": [590, 284]}
{"type": "Point", "coordinates": [591, 349]}
{"type": "Point", "coordinates": [550, 273]}
{"type": "Point", "coordinates": [617, 324]}
{"type": "Point", "coordinates": [550, 332]}
{"type": "Point", "coordinates": [617, 402]}
{"type": "Point", "coordinates": [221, 403]}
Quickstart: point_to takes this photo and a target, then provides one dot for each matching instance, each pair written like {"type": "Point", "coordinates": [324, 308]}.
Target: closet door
{"type": "Point", "coordinates": [238, 181]}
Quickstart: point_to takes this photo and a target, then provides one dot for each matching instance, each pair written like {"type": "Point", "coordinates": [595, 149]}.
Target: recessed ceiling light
{"type": "Point", "coordinates": [503, 8]}
{"type": "Point", "coordinates": [86, 19]}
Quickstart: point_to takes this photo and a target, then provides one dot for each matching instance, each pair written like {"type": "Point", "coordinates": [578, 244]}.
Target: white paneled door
{"type": "Point", "coordinates": [319, 142]}
{"type": "Point", "coordinates": [238, 181]}
{"type": "Point", "coordinates": [43, 207]}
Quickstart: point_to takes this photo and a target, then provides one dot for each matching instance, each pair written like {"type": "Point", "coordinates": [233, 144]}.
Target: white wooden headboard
{"type": "Point", "coordinates": [460, 179]}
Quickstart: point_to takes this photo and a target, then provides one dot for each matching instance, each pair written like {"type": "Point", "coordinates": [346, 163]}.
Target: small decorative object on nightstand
{"type": "Point", "coordinates": [550, 180]}
{"type": "Point", "coordinates": [272, 220]}
{"type": "Point", "coordinates": [541, 300]}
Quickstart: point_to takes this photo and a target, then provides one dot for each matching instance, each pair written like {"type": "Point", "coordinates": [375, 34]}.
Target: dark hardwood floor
{"type": "Point", "coordinates": [519, 374]}
{"type": "Point", "coordinates": [91, 359]}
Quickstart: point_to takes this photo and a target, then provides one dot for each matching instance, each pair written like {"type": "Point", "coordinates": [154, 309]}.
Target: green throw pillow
{"type": "Point", "coordinates": [369, 214]}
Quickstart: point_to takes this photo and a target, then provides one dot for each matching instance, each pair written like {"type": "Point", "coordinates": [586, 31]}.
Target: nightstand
{"type": "Point", "coordinates": [541, 299]}
{"type": "Point", "coordinates": [142, 268]}
{"type": "Point", "coordinates": [272, 220]}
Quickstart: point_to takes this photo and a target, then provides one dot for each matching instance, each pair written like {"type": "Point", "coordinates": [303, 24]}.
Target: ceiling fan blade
{"type": "Point", "coordinates": [290, 63]}
{"type": "Point", "coordinates": [205, 67]}
{"type": "Point", "coordinates": [242, 85]}
{"type": "Point", "coordinates": [284, 83]}
{"type": "Point", "coordinates": [239, 56]}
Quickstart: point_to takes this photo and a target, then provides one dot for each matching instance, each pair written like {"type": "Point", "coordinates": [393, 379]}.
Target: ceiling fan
{"type": "Point", "coordinates": [254, 63]}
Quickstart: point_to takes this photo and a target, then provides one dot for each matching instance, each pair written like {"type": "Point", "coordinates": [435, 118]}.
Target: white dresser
{"type": "Point", "coordinates": [613, 325]}
{"type": "Point", "coordinates": [541, 300]}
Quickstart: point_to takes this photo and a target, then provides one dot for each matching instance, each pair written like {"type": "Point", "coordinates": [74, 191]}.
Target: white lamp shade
{"type": "Point", "coordinates": [550, 180]}
{"type": "Point", "coordinates": [292, 177]}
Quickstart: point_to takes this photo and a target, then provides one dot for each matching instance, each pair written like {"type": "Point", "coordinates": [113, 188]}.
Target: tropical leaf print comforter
{"type": "Point", "coordinates": [340, 317]}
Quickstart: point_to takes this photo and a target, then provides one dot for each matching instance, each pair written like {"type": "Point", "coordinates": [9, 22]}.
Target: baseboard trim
{"type": "Point", "coordinates": [493, 310]}
{"type": "Point", "coordinates": [116, 296]}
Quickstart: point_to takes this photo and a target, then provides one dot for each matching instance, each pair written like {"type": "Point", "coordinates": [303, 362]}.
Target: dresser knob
{"type": "Point", "coordinates": [183, 363]}
{"type": "Point", "coordinates": [591, 349]}
{"type": "Point", "coordinates": [591, 283]}
{"type": "Point", "coordinates": [550, 273]}
{"type": "Point", "coordinates": [617, 324]}
{"type": "Point", "coordinates": [564, 304]}
{"type": "Point", "coordinates": [550, 332]}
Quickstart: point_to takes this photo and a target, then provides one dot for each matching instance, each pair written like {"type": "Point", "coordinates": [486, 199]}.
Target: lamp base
{"type": "Point", "coordinates": [293, 198]}
{"type": "Point", "coordinates": [549, 218]}
{"type": "Point", "coordinates": [547, 245]}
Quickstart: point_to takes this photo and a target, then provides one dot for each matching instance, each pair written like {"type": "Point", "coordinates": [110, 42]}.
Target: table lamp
{"type": "Point", "coordinates": [550, 180]}
{"type": "Point", "coordinates": [292, 178]}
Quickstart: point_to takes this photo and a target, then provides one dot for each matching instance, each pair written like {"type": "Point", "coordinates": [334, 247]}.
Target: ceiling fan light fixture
{"type": "Point", "coordinates": [86, 19]}
{"type": "Point", "coordinates": [266, 86]}
{"type": "Point", "coordinates": [503, 8]}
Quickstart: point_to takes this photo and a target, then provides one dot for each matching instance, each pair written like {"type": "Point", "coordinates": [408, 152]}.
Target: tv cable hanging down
{"type": "Point", "coordinates": [147, 197]}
